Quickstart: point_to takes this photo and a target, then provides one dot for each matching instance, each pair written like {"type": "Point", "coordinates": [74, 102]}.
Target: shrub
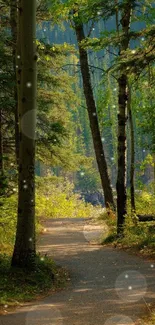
{"type": "Point", "coordinates": [54, 199]}
{"type": "Point", "coordinates": [140, 235]}
{"type": "Point", "coordinates": [8, 222]}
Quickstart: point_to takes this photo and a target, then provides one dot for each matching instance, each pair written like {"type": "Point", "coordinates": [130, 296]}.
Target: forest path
{"type": "Point", "coordinates": [107, 286]}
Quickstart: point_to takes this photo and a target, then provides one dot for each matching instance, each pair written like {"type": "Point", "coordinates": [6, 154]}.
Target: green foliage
{"type": "Point", "coordinates": [87, 180]}
{"type": "Point", "coordinates": [55, 199]}
{"type": "Point", "coordinates": [149, 319]}
{"type": "Point", "coordinates": [18, 285]}
{"type": "Point", "coordinates": [110, 220]}
{"type": "Point", "coordinates": [56, 100]}
{"type": "Point", "coordinates": [137, 235]}
{"type": "Point", "coordinates": [3, 184]}
{"type": "Point", "coordinates": [145, 202]}
{"type": "Point", "coordinates": [144, 110]}
{"type": "Point", "coordinates": [141, 235]}
{"type": "Point", "coordinates": [8, 207]}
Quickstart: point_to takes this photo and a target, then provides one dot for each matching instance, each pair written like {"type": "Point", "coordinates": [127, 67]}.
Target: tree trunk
{"type": "Point", "coordinates": [132, 157]}
{"type": "Point", "coordinates": [1, 147]}
{"type": "Point", "coordinates": [24, 249]}
{"type": "Point", "coordinates": [93, 120]}
{"type": "Point", "coordinates": [13, 23]}
{"type": "Point", "coordinates": [3, 183]}
{"type": "Point", "coordinates": [122, 118]}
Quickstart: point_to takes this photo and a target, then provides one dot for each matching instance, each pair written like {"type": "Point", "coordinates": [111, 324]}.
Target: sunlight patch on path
{"type": "Point", "coordinates": [44, 314]}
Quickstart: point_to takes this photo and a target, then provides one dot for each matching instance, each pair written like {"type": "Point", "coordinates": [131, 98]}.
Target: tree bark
{"type": "Point", "coordinates": [122, 118]}
{"type": "Point", "coordinates": [3, 179]}
{"type": "Point", "coordinates": [154, 170]}
{"type": "Point", "coordinates": [93, 120]}
{"type": "Point", "coordinates": [1, 147]}
{"type": "Point", "coordinates": [13, 23]}
{"type": "Point", "coordinates": [132, 157]}
{"type": "Point", "coordinates": [24, 249]}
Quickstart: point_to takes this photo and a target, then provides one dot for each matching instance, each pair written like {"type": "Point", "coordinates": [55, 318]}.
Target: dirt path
{"type": "Point", "coordinates": [107, 286]}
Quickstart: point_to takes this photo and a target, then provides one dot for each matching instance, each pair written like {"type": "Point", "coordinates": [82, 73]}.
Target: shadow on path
{"type": "Point", "coordinates": [107, 286]}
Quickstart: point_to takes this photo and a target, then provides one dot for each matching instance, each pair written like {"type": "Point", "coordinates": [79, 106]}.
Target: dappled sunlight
{"type": "Point", "coordinates": [106, 285]}
{"type": "Point", "coordinates": [98, 275]}
{"type": "Point", "coordinates": [82, 290]}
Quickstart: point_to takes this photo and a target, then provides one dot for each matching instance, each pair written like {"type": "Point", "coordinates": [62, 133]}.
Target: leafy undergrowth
{"type": "Point", "coordinates": [145, 203]}
{"type": "Point", "coordinates": [54, 199]}
{"type": "Point", "coordinates": [18, 285]}
{"type": "Point", "coordinates": [149, 320]}
{"type": "Point", "coordinates": [138, 236]}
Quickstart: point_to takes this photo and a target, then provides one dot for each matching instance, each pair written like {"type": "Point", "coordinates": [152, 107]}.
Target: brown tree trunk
{"type": "Point", "coordinates": [1, 147]}
{"type": "Point", "coordinates": [24, 249]}
{"type": "Point", "coordinates": [132, 157]}
{"type": "Point", "coordinates": [154, 170]}
{"type": "Point", "coordinates": [93, 120]}
{"type": "Point", "coordinates": [122, 118]}
{"type": "Point", "coordinates": [3, 178]}
{"type": "Point", "coordinates": [13, 23]}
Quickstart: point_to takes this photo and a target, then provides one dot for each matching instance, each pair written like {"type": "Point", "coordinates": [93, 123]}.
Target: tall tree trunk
{"type": "Point", "coordinates": [93, 120]}
{"type": "Point", "coordinates": [1, 147]}
{"type": "Point", "coordinates": [24, 249]}
{"type": "Point", "coordinates": [1, 159]}
{"type": "Point", "coordinates": [13, 23]}
{"type": "Point", "coordinates": [122, 118]}
{"type": "Point", "coordinates": [154, 170]}
{"type": "Point", "coordinates": [132, 157]}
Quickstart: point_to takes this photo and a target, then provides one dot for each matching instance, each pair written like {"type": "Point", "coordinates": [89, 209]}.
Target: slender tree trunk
{"type": "Point", "coordinates": [132, 157]}
{"type": "Point", "coordinates": [3, 183]}
{"type": "Point", "coordinates": [13, 23]}
{"type": "Point", "coordinates": [1, 146]}
{"type": "Point", "coordinates": [154, 170]}
{"type": "Point", "coordinates": [150, 75]}
{"type": "Point", "coordinates": [24, 249]}
{"type": "Point", "coordinates": [122, 118]}
{"type": "Point", "coordinates": [1, 159]}
{"type": "Point", "coordinates": [93, 120]}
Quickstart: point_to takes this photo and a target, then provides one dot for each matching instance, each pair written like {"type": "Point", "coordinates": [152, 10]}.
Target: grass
{"type": "Point", "coordinates": [138, 236]}
{"type": "Point", "coordinates": [54, 199]}
{"type": "Point", "coordinates": [18, 285]}
{"type": "Point", "coordinates": [149, 320]}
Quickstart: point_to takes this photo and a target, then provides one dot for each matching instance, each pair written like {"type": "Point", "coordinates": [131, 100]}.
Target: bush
{"type": "Point", "coordinates": [145, 203]}
{"type": "Point", "coordinates": [55, 199]}
{"type": "Point", "coordinates": [138, 235]}
{"type": "Point", "coordinates": [8, 221]}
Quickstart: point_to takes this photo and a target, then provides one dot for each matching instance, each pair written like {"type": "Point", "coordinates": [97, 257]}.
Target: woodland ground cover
{"type": "Point", "coordinates": [54, 199]}
{"type": "Point", "coordinates": [138, 236]}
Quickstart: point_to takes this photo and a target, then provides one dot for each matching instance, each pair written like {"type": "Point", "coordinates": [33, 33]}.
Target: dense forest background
{"type": "Point", "coordinates": [105, 90]}
{"type": "Point", "coordinates": [77, 116]}
{"type": "Point", "coordinates": [77, 129]}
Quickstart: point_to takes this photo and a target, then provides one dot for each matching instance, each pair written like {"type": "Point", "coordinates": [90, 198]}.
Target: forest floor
{"type": "Point", "coordinates": [106, 286]}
